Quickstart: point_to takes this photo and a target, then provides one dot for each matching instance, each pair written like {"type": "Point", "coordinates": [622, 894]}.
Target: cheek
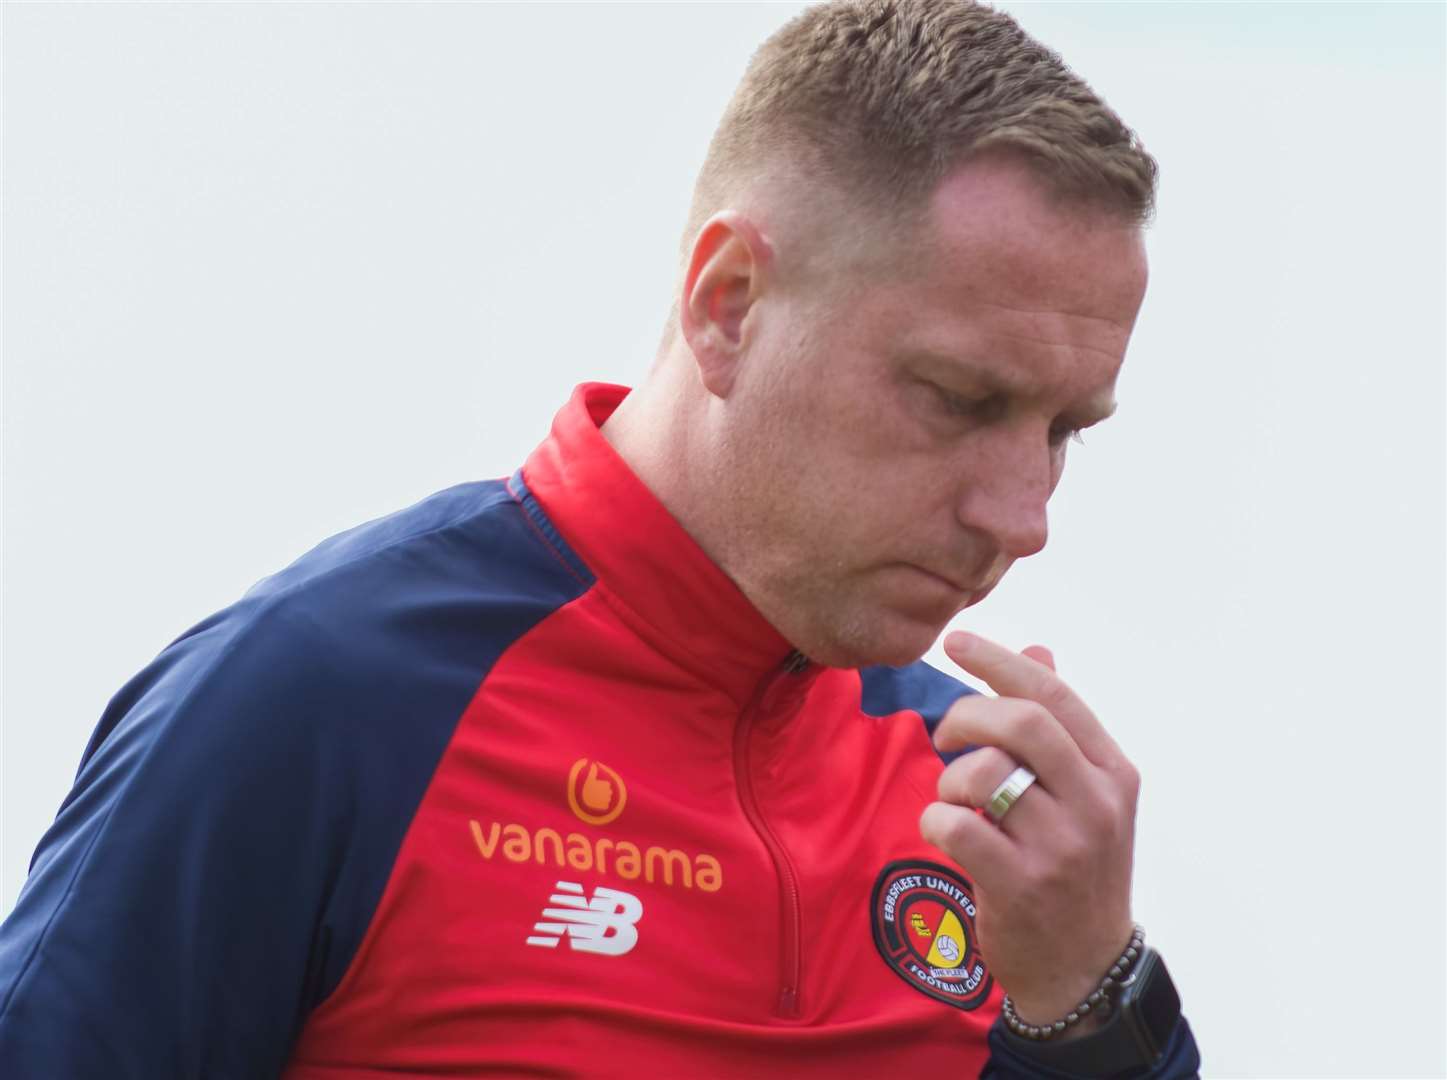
{"type": "Point", "coordinates": [902, 511]}
{"type": "Point", "coordinates": [851, 465]}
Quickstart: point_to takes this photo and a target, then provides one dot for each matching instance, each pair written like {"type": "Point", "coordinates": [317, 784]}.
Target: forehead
{"type": "Point", "coordinates": [1010, 276]}
{"type": "Point", "coordinates": [996, 230]}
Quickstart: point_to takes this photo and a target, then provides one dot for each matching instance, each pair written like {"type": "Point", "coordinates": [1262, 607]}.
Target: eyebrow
{"type": "Point", "coordinates": [1091, 412]}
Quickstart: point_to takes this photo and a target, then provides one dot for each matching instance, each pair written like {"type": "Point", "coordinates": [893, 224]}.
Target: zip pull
{"type": "Point", "coordinates": [796, 662]}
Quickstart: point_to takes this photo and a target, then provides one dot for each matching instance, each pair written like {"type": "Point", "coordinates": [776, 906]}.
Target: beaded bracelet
{"type": "Point", "coordinates": [1100, 998]}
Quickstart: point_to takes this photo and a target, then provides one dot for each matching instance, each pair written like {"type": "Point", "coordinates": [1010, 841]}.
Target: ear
{"type": "Point", "coordinates": [726, 275]}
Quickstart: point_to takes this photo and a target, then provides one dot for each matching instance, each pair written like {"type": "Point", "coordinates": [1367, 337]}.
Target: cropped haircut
{"type": "Point", "coordinates": [881, 99]}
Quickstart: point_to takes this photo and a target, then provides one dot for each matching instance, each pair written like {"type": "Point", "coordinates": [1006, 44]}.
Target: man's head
{"type": "Point", "coordinates": [869, 104]}
{"type": "Point", "coordinates": [912, 266]}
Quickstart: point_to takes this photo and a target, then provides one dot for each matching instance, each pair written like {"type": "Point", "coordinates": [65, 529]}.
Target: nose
{"type": "Point", "coordinates": [1003, 493]}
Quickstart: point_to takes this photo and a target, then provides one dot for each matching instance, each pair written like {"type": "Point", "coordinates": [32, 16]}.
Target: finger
{"type": "Point", "coordinates": [973, 779]}
{"type": "Point", "coordinates": [984, 852]}
{"type": "Point", "coordinates": [1014, 675]}
{"type": "Point", "coordinates": [1025, 730]}
{"type": "Point", "coordinates": [981, 769]}
{"type": "Point", "coordinates": [1040, 654]}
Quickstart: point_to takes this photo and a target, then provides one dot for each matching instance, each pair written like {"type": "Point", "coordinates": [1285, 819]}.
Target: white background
{"type": "Point", "coordinates": [271, 270]}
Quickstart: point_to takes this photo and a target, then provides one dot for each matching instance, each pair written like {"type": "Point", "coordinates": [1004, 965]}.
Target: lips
{"type": "Point", "coordinates": [951, 582]}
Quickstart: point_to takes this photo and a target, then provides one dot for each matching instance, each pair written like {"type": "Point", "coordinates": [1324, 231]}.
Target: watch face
{"type": "Point", "coordinates": [1154, 1001]}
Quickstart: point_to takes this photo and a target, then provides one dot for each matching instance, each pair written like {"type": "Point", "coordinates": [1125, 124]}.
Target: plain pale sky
{"type": "Point", "coordinates": [271, 270]}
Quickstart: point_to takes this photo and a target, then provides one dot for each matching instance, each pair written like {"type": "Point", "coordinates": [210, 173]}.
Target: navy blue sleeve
{"type": "Point", "coordinates": [919, 688]}
{"type": "Point", "coordinates": [169, 924]}
{"type": "Point", "coordinates": [1181, 1061]}
{"type": "Point", "coordinates": [238, 811]}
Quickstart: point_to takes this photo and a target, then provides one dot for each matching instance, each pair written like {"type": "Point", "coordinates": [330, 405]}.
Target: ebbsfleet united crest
{"type": "Point", "coordinates": [923, 915]}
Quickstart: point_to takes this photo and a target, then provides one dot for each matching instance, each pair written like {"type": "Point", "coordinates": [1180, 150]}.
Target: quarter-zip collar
{"type": "Point", "coordinates": [653, 571]}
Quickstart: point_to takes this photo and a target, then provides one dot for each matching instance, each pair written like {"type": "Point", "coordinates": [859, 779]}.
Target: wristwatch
{"type": "Point", "coordinates": [1142, 1018]}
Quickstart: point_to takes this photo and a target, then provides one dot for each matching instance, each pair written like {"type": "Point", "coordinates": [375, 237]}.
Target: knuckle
{"type": "Point", "coordinates": [943, 732]}
{"type": "Point", "coordinates": [954, 729]}
{"type": "Point", "coordinates": [1107, 813]}
{"type": "Point", "coordinates": [954, 781]}
{"type": "Point", "coordinates": [1114, 816]}
{"type": "Point", "coordinates": [991, 761]}
{"type": "Point", "coordinates": [1102, 803]}
{"type": "Point", "coordinates": [970, 778]}
{"type": "Point", "coordinates": [1054, 693]}
{"type": "Point", "coordinates": [957, 837]}
{"type": "Point", "coordinates": [928, 825]}
{"type": "Point", "coordinates": [936, 824]}
{"type": "Point", "coordinates": [1032, 721]}
{"type": "Point", "coordinates": [944, 829]}
{"type": "Point", "coordinates": [1130, 779]}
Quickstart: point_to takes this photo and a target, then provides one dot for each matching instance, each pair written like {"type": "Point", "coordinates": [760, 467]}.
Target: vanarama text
{"type": "Point", "coordinates": [575, 850]}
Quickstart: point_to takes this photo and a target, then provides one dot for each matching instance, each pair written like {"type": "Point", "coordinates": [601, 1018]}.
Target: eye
{"type": "Point", "coordinates": [958, 405]}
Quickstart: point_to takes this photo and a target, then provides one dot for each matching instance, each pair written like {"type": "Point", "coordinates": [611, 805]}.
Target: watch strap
{"type": "Point", "coordinates": [1132, 1040]}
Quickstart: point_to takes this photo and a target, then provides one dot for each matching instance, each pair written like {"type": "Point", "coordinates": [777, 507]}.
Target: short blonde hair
{"type": "Point", "coordinates": [881, 99]}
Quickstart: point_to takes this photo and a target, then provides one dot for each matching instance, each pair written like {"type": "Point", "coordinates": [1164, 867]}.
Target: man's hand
{"type": "Point", "coordinates": [1053, 878]}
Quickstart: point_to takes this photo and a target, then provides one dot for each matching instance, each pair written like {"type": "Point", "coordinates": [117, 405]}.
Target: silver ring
{"type": "Point", "coordinates": [1008, 793]}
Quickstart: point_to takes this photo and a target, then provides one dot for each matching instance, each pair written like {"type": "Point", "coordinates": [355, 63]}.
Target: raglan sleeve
{"type": "Point", "coordinates": [173, 923]}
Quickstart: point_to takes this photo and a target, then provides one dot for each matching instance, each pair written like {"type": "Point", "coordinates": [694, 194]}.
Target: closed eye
{"type": "Point", "coordinates": [993, 406]}
{"type": "Point", "coordinates": [984, 408]}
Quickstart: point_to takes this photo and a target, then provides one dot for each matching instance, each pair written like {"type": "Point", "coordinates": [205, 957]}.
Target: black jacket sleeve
{"type": "Point", "coordinates": [1181, 1061]}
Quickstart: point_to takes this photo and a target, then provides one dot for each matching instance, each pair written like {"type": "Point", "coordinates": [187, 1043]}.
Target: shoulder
{"type": "Point", "coordinates": [475, 541]}
{"type": "Point", "coordinates": [404, 614]}
{"type": "Point", "coordinates": [290, 737]}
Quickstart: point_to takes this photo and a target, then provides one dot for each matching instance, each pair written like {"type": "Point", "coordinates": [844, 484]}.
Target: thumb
{"type": "Point", "coordinates": [592, 773]}
{"type": "Point", "coordinates": [1040, 654]}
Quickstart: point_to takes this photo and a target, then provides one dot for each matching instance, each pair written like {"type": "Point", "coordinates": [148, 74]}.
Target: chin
{"type": "Point", "coordinates": [892, 641]}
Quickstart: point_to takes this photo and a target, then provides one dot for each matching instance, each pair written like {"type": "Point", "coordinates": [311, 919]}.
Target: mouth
{"type": "Point", "coordinates": [964, 590]}
{"type": "Point", "coordinates": [964, 594]}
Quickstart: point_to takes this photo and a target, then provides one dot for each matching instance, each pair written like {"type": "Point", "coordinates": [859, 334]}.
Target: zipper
{"type": "Point", "coordinates": [789, 966]}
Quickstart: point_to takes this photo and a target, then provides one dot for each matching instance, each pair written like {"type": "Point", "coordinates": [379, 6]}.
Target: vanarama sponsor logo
{"type": "Point", "coordinates": [602, 854]}
{"type": "Point", "coordinates": [596, 795]}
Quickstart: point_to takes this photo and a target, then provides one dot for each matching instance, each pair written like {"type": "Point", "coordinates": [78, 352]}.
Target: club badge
{"type": "Point", "coordinates": [923, 916]}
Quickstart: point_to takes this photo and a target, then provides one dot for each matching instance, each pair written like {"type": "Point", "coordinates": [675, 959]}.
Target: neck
{"type": "Point", "coordinates": [656, 430]}
{"type": "Point", "coordinates": [669, 432]}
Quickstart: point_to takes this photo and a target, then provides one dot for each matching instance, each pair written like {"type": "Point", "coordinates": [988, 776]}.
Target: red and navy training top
{"type": "Point", "coordinates": [512, 782]}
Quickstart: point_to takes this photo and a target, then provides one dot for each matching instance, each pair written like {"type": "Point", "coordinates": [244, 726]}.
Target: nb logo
{"type": "Point", "coordinates": [603, 924]}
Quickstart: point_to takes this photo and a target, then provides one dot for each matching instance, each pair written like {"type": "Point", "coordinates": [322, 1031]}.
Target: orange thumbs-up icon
{"type": "Point", "coordinates": [598, 797]}
{"type": "Point", "coordinates": [597, 794]}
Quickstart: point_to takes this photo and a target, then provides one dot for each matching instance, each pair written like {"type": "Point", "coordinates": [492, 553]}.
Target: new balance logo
{"type": "Point", "coordinates": [602, 924]}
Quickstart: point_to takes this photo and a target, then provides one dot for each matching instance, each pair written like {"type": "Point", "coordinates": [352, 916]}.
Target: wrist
{"type": "Point", "coordinates": [1144, 1022]}
{"type": "Point", "coordinates": [1089, 1009]}
{"type": "Point", "coordinates": [1046, 999]}
{"type": "Point", "coordinates": [1087, 1025]}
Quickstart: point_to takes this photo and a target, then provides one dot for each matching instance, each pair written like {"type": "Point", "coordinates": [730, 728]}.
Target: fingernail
{"type": "Point", "coordinates": [960, 640]}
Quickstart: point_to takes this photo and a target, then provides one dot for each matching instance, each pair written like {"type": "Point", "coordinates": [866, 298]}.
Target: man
{"type": "Point", "coordinates": [626, 765]}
